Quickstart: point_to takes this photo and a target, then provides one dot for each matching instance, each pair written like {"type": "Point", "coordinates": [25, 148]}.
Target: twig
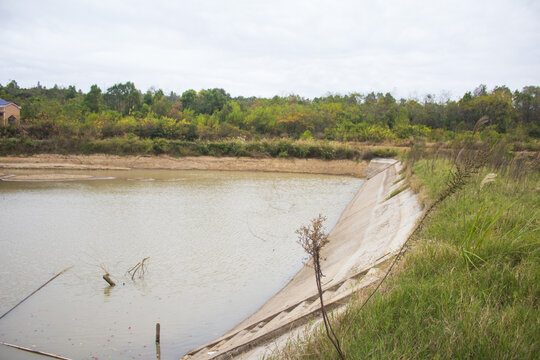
{"type": "Point", "coordinates": [35, 351]}
{"type": "Point", "coordinates": [35, 291]}
{"type": "Point", "coordinates": [140, 267]}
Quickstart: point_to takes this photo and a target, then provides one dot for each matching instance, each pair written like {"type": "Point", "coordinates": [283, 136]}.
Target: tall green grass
{"type": "Point", "coordinates": [469, 287]}
{"type": "Point", "coordinates": [133, 145]}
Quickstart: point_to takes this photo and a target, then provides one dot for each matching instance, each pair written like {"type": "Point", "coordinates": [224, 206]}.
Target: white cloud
{"type": "Point", "coordinates": [264, 48]}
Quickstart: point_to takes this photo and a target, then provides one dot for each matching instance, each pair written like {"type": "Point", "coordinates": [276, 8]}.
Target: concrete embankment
{"type": "Point", "coordinates": [370, 230]}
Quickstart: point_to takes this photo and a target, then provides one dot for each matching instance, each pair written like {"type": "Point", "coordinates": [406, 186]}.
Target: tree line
{"type": "Point", "coordinates": [212, 114]}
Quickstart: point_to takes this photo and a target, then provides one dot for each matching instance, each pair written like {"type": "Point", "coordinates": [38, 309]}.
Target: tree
{"type": "Point", "coordinates": [235, 115]}
{"type": "Point", "coordinates": [12, 87]}
{"type": "Point", "coordinates": [188, 99]}
{"type": "Point", "coordinates": [161, 106]}
{"type": "Point", "coordinates": [123, 98]}
{"type": "Point", "coordinates": [527, 104]}
{"type": "Point", "coordinates": [92, 99]}
{"type": "Point", "coordinates": [481, 90]}
{"type": "Point", "coordinates": [497, 105]}
{"type": "Point", "coordinates": [211, 100]}
{"type": "Point", "coordinates": [71, 92]}
{"type": "Point", "coordinates": [148, 98]}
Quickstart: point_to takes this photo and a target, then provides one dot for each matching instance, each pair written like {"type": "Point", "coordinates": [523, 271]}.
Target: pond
{"type": "Point", "coordinates": [219, 245]}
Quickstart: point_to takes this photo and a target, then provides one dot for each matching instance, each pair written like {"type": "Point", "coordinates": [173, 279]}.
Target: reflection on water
{"type": "Point", "coordinates": [220, 244]}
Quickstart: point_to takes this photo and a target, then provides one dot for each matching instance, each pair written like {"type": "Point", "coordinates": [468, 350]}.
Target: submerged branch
{"type": "Point", "coordinates": [139, 268]}
{"type": "Point", "coordinates": [54, 356]}
{"type": "Point", "coordinates": [35, 291]}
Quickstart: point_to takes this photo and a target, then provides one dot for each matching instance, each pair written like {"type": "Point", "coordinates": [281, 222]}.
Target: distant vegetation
{"type": "Point", "coordinates": [125, 116]}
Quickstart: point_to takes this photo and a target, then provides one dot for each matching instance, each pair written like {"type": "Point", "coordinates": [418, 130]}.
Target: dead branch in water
{"type": "Point", "coordinates": [107, 276]}
{"type": "Point", "coordinates": [35, 291]}
{"type": "Point", "coordinates": [139, 268]}
{"type": "Point", "coordinates": [35, 351]}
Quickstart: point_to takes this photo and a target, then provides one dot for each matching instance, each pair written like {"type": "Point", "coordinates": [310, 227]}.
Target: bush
{"type": "Point", "coordinates": [306, 135]}
{"type": "Point", "coordinates": [328, 152]}
{"type": "Point", "coordinates": [160, 146]}
{"type": "Point", "coordinates": [302, 150]}
{"type": "Point", "coordinates": [384, 153]}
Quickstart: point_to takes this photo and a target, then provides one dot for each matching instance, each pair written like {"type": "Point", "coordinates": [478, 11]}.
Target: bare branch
{"type": "Point", "coordinates": [313, 238]}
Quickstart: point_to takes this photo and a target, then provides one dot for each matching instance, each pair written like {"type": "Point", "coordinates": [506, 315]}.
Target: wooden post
{"type": "Point", "coordinates": [158, 346]}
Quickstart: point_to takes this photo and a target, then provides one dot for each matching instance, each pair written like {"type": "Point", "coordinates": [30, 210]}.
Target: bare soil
{"type": "Point", "coordinates": [47, 177]}
{"type": "Point", "coordinates": [113, 162]}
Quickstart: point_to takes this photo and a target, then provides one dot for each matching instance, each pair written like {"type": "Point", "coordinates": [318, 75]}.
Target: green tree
{"type": "Point", "coordinates": [71, 92]}
{"type": "Point", "coordinates": [123, 98]}
{"type": "Point", "coordinates": [92, 99]}
{"type": "Point", "coordinates": [162, 106]}
{"type": "Point", "coordinates": [235, 116]}
{"type": "Point", "coordinates": [527, 104]}
{"type": "Point", "coordinates": [188, 99]}
{"type": "Point", "coordinates": [148, 98]}
{"type": "Point", "coordinates": [211, 100]}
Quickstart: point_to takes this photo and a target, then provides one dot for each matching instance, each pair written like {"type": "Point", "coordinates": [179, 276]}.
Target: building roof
{"type": "Point", "coordinates": [4, 103]}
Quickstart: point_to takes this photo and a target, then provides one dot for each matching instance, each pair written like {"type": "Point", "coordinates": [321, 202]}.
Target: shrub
{"type": "Point", "coordinates": [306, 135]}
{"type": "Point", "coordinates": [328, 152]}
{"type": "Point", "coordinates": [384, 152]}
{"type": "Point", "coordinates": [160, 146]}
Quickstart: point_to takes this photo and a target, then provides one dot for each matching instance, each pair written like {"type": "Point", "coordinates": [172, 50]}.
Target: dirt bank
{"type": "Point", "coordinates": [113, 162]}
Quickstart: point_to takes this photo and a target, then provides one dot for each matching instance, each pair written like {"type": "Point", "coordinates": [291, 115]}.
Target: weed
{"type": "Point", "coordinates": [396, 191]}
{"type": "Point", "coordinates": [313, 238]}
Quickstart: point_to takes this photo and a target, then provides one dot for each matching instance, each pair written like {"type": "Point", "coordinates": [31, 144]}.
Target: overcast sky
{"type": "Point", "coordinates": [266, 48]}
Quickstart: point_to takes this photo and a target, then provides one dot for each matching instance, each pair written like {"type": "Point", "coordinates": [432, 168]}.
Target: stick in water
{"type": "Point", "coordinates": [35, 351]}
{"type": "Point", "coordinates": [158, 346]}
{"type": "Point", "coordinates": [35, 291]}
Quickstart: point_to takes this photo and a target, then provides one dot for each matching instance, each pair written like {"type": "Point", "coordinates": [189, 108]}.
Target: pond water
{"type": "Point", "coordinates": [220, 245]}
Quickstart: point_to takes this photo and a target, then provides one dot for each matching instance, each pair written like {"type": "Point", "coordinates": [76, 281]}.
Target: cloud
{"type": "Point", "coordinates": [264, 48]}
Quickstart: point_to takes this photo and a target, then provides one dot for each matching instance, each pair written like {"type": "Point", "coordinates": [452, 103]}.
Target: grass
{"type": "Point", "coordinates": [468, 287]}
{"type": "Point", "coordinates": [397, 191]}
{"type": "Point", "coordinates": [133, 145]}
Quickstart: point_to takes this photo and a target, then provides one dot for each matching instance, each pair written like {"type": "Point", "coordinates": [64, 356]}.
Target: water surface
{"type": "Point", "coordinates": [220, 244]}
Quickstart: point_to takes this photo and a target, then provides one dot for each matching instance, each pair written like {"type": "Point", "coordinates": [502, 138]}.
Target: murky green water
{"type": "Point", "coordinates": [220, 244]}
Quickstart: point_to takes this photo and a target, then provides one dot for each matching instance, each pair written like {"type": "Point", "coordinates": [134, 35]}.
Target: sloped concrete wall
{"type": "Point", "coordinates": [371, 228]}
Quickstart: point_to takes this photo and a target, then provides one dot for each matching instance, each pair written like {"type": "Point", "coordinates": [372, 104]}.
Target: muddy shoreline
{"type": "Point", "coordinates": [165, 162]}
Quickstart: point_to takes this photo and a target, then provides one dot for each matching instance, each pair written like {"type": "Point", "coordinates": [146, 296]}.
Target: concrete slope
{"type": "Point", "coordinates": [371, 228]}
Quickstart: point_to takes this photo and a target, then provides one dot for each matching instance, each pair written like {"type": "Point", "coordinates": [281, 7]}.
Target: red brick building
{"type": "Point", "coordinates": [10, 113]}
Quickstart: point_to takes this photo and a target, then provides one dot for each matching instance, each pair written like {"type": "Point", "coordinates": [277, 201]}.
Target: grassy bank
{"type": "Point", "coordinates": [137, 146]}
{"type": "Point", "coordinates": [469, 285]}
